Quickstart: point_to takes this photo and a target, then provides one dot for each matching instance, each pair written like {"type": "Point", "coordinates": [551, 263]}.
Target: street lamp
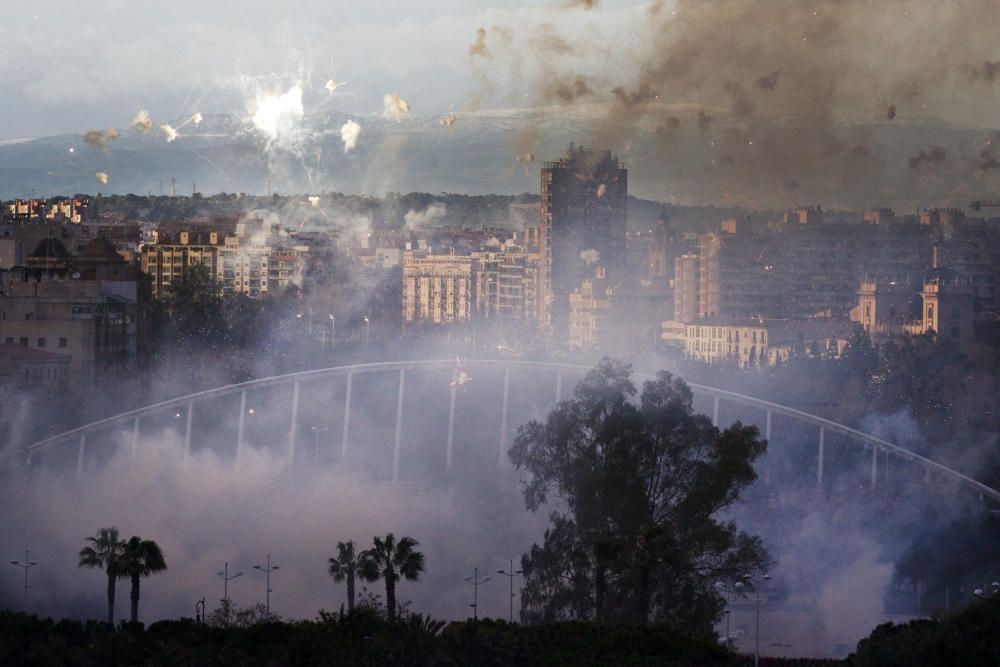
{"type": "Point", "coordinates": [763, 579]}
{"type": "Point", "coordinates": [726, 592]}
{"type": "Point", "coordinates": [226, 578]}
{"type": "Point", "coordinates": [368, 329]}
{"type": "Point", "coordinates": [199, 611]}
{"type": "Point", "coordinates": [475, 580]}
{"type": "Point", "coordinates": [267, 570]}
{"type": "Point", "coordinates": [26, 564]}
{"type": "Point", "coordinates": [510, 574]}
{"type": "Point", "coordinates": [316, 431]}
{"type": "Point", "coordinates": [333, 329]}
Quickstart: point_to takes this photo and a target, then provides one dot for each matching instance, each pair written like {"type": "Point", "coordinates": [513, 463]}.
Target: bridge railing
{"type": "Point", "coordinates": [402, 367]}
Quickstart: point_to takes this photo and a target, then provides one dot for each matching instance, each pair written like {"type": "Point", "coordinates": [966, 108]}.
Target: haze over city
{"type": "Point", "coordinates": [432, 327]}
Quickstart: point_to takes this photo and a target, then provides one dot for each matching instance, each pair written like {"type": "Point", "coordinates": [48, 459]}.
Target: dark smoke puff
{"type": "Point", "coordinates": [770, 81]}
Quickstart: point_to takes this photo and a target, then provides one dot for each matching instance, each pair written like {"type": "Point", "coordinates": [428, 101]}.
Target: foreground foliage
{"type": "Point", "coordinates": [360, 638]}
{"type": "Point", "coordinates": [968, 637]}
{"type": "Point", "coordinates": [641, 485]}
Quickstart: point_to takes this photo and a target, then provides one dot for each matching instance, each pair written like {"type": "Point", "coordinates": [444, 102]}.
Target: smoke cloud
{"type": "Point", "coordinates": [931, 156]}
{"type": "Point", "coordinates": [142, 122]}
{"type": "Point", "coordinates": [448, 120]}
{"type": "Point", "coordinates": [349, 134]}
{"type": "Point", "coordinates": [102, 177]}
{"type": "Point", "coordinates": [98, 139]}
{"type": "Point", "coordinates": [590, 256]}
{"type": "Point", "coordinates": [394, 107]}
{"type": "Point", "coordinates": [168, 132]}
{"type": "Point", "coordinates": [426, 217]}
{"type": "Point", "coordinates": [479, 48]}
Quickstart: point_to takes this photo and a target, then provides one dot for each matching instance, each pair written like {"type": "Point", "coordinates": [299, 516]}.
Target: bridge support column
{"type": "Point", "coordinates": [715, 411]}
{"type": "Point", "coordinates": [187, 430]}
{"type": "Point", "coordinates": [347, 417]}
{"type": "Point", "coordinates": [133, 445]}
{"type": "Point", "coordinates": [558, 386]}
{"type": "Point", "coordinates": [767, 437]}
{"type": "Point", "coordinates": [242, 425]}
{"type": "Point", "coordinates": [819, 466]}
{"type": "Point", "coordinates": [399, 425]}
{"type": "Point", "coordinates": [451, 429]}
{"type": "Point", "coordinates": [874, 480]}
{"type": "Point", "coordinates": [294, 426]}
{"type": "Point", "coordinates": [80, 454]}
{"type": "Point", "coordinates": [502, 454]}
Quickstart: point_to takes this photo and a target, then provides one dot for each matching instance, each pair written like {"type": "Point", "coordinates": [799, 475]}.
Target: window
{"type": "Point", "coordinates": [41, 341]}
{"type": "Point", "coordinates": [23, 340]}
{"type": "Point", "coordinates": [9, 340]}
{"type": "Point", "coordinates": [63, 342]}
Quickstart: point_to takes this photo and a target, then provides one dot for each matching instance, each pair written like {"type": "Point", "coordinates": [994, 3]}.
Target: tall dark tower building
{"type": "Point", "coordinates": [583, 224]}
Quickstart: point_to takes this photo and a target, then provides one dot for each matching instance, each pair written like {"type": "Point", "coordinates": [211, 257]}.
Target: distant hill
{"type": "Point", "coordinates": [907, 163]}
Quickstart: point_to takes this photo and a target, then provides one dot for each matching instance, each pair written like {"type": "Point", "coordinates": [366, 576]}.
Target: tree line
{"type": "Point", "coordinates": [389, 559]}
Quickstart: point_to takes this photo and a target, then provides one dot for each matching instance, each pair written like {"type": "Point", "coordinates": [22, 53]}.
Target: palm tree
{"type": "Point", "coordinates": [392, 561]}
{"type": "Point", "coordinates": [104, 551]}
{"type": "Point", "coordinates": [345, 567]}
{"type": "Point", "coordinates": [141, 558]}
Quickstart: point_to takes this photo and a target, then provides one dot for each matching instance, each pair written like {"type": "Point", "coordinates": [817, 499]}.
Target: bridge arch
{"type": "Point", "coordinates": [132, 419]}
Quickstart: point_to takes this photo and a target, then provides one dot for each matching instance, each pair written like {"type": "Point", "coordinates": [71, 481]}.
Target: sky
{"type": "Point", "coordinates": [763, 104]}
{"type": "Point", "coordinates": [71, 65]}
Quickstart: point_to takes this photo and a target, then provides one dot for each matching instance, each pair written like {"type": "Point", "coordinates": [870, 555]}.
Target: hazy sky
{"type": "Point", "coordinates": [70, 65]}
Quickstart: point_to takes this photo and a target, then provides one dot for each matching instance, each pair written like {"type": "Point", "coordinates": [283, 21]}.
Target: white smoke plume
{"type": "Point", "coordinates": [195, 118]}
{"type": "Point", "coordinates": [99, 139]}
{"type": "Point", "coordinates": [142, 122]}
{"type": "Point", "coordinates": [168, 132]}
{"type": "Point", "coordinates": [332, 85]}
{"type": "Point", "coordinates": [525, 158]}
{"type": "Point", "coordinates": [426, 217]}
{"type": "Point", "coordinates": [590, 256]}
{"type": "Point", "coordinates": [448, 120]}
{"type": "Point", "coordinates": [279, 114]}
{"type": "Point", "coordinates": [394, 107]}
{"type": "Point", "coordinates": [349, 133]}
{"type": "Point", "coordinates": [314, 200]}
{"type": "Point", "coordinates": [102, 177]}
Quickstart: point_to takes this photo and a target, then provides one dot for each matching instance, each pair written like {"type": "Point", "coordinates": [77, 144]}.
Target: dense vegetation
{"type": "Point", "coordinates": [635, 535]}
{"type": "Point", "coordinates": [358, 638]}
{"type": "Point", "coordinates": [966, 638]}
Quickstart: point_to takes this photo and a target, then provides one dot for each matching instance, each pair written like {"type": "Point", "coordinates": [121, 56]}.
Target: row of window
{"type": "Point", "coordinates": [41, 341]}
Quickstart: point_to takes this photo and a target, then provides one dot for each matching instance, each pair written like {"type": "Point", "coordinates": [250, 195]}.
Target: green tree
{"type": "Point", "coordinates": [104, 551]}
{"type": "Point", "coordinates": [643, 484]}
{"type": "Point", "coordinates": [140, 558]}
{"type": "Point", "coordinates": [344, 567]}
{"type": "Point", "coordinates": [391, 560]}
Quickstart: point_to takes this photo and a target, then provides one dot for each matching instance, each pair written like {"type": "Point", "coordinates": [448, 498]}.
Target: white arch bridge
{"type": "Point", "coordinates": [545, 379]}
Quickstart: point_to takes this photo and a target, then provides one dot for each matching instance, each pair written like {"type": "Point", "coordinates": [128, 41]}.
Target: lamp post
{"type": "Point", "coordinates": [267, 570]}
{"type": "Point", "coordinates": [26, 565]}
{"type": "Point", "coordinates": [226, 578]}
{"type": "Point", "coordinates": [761, 581]}
{"type": "Point", "coordinates": [510, 574]}
{"type": "Point", "coordinates": [368, 330]}
{"type": "Point", "coordinates": [333, 329]}
{"type": "Point", "coordinates": [475, 580]}
{"type": "Point", "coordinates": [726, 592]}
{"type": "Point", "coordinates": [316, 431]}
{"type": "Point", "coordinates": [199, 611]}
